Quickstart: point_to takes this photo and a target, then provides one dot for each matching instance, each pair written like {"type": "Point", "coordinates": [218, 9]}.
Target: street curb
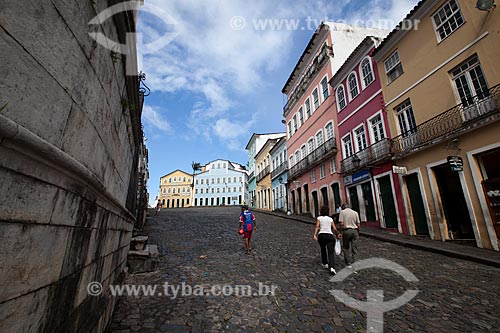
{"type": "Point", "coordinates": [408, 244]}
{"type": "Point", "coordinates": [449, 253]}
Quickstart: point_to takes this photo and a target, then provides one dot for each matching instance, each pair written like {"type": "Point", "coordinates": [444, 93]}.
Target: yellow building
{"type": "Point", "coordinates": [263, 197]}
{"type": "Point", "coordinates": [175, 189]}
{"type": "Point", "coordinates": [440, 84]}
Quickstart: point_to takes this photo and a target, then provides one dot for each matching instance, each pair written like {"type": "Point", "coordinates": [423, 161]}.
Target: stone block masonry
{"type": "Point", "coordinates": [68, 140]}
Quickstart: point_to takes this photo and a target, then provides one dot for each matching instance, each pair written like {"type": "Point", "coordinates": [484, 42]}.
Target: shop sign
{"type": "Point", "coordinates": [399, 170]}
{"type": "Point", "coordinates": [357, 177]}
{"type": "Point", "coordinates": [456, 163]}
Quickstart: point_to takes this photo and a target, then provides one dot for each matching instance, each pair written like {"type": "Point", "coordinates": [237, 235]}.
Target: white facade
{"type": "Point", "coordinates": [221, 183]}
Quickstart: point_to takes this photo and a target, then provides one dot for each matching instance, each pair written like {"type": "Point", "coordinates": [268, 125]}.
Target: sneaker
{"type": "Point", "coordinates": [324, 265]}
{"type": "Point", "coordinates": [333, 271]}
{"type": "Point", "coordinates": [353, 270]}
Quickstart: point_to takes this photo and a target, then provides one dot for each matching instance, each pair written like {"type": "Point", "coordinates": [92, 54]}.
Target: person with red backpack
{"type": "Point", "coordinates": [247, 226]}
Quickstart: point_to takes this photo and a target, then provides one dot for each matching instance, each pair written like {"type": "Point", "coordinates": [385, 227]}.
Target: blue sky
{"type": "Point", "coordinates": [216, 69]}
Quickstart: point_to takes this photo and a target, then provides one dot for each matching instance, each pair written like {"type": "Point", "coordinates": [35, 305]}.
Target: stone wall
{"type": "Point", "coordinates": [68, 137]}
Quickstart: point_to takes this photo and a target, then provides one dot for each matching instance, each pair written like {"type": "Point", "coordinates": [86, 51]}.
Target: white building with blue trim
{"type": "Point", "coordinates": [221, 183]}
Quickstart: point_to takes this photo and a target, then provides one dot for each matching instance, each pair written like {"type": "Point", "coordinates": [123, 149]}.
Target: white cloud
{"type": "Point", "coordinates": [153, 117]}
{"type": "Point", "coordinates": [219, 65]}
{"type": "Point", "coordinates": [232, 132]}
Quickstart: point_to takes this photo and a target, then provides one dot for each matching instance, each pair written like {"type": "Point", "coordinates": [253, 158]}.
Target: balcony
{"type": "Point", "coordinates": [326, 150]}
{"type": "Point", "coordinates": [251, 175]}
{"type": "Point", "coordinates": [279, 170]}
{"type": "Point", "coordinates": [303, 83]}
{"type": "Point", "coordinates": [376, 153]}
{"type": "Point", "coordinates": [475, 112]}
{"type": "Point", "coordinates": [263, 173]}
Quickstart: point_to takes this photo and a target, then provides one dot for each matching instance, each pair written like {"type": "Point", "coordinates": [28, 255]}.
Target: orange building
{"type": "Point", "coordinates": [440, 85]}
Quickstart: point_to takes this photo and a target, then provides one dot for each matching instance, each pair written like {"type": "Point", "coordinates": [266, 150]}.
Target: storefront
{"type": "Point", "coordinates": [360, 196]}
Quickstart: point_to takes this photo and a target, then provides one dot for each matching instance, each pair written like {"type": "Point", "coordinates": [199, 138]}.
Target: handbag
{"type": "Point", "coordinates": [338, 248]}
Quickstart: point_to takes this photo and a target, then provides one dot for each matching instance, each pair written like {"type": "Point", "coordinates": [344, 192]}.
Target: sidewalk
{"type": "Point", "coordinates": [483, 256]}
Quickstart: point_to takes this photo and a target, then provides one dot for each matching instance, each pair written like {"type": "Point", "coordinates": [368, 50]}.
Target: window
{"type": "Point", "coordinates": [175, 179]}
{"type": "Point", "coordinates": [447, 19]}
{"type": "Point", "coordinates": [470, 82]}
{"type": "Point", "coordinates": [308, 108]}
{"type": "Point", "coordinates": [393, 67]}
{"type": "Point", "coordinates": [322, 173]}
{"type": "Point", "coordinates": [310, 145]}
{"type": "Point", "coordinates": [333, 165]}
{"type": "Point", "coordinates": [324, 88]}
{"type": "Point", "coordinates": [170, 180]}
{"type": "Point", "coordinates": [341, 102]}
{"type": "Point", "coordinates": [406, 118]}
{"type": "Point", "coordinates": [294, 121]}
{"type": "Point", "coordinates": [218, 190]}
{"type": "Point", "coordinates": [367, 72]}
{"type": "Point", "coordinates": [173, 190]}
{"type": "Point", "coordinates": [303, 150]}
{"type": "Point", "coordinates": [347, 146]}
{"type": "Point", "coordinates": [202, 182]}
{"type": "Point", "coordinates": [313, 176]}
{"type": "Point", "coordinates": [319, 138]}
{"type": "Point", "coordinates": [297, 156]}
{"type": "Point", "coordinates": [184, 179]}
{"type": "Point", "coordinates": [353, 85]}
{"type": "Point", "coordinates": [201, 190]}
{"type": "Point", "coordinates": [377, 128]}
{"type": "Point", "coordinates": [291, 161]}
{"type": "Point", "coordinates": [196, 191]}
{"type": "Point", "coordinates": [213, 180]}
{"type": "Point", "coordinates": [301, 116]}
{"type": "Point", "coordinates": [329, 131]}
{"type": "Point", "coordinates": [163, 190]}
{"type": "Point", "coordinates": [360, 138]}
{"type": "Point", "coordinates": [289, 129]}
{"type": "Point", "coordinates": [218, 180]}
{"type": "Point", "coordinates": [315, 99]}
{"type": "Point", "coordinates": [212, 190]}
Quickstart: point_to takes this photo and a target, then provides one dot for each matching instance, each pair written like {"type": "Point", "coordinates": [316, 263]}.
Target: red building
{"type": "Point", "coordinates": [371, 186]}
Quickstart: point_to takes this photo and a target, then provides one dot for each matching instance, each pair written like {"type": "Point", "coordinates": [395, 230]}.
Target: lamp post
{"type": "Point", "coordinates": [485, 5]}
{"type": "Point", "coordinates": [356, 161]}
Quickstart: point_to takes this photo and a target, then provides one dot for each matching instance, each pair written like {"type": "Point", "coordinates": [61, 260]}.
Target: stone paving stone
{"type": "Point", "coordinates": [454, 295]}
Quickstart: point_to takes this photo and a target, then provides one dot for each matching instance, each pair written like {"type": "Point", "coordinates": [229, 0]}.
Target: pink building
{"type": "Point", "coordinates": [371, 186]}
{"type": "Point", "coordinates": [311, 119]}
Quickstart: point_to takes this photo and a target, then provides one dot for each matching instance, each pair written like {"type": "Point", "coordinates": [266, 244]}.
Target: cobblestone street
{"type": "Point", "coordinates": [455, 295]}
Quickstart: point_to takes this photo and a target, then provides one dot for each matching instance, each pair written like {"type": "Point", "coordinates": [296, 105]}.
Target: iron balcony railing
{"type": "Point", "coordinates": [263, 173]}
{"type": "Point", "coordinates": [279, 170]}
{"type": "Point", "coordinates": [471, 114]}
{"type": "Point", "coordinates": [373, 154]}
{"type": "Point", "coordinates": [321, 153]}
{"type": "Point", "coordinates": [301, 87]}
{"type": "Point", "coordinates": [251, 175]}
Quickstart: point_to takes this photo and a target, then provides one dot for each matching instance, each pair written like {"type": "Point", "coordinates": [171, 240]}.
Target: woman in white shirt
{"type": "Point", "coordinates": [324, 235]}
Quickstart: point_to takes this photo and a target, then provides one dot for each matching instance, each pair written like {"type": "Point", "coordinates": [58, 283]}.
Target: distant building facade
{"type": "Point", "coordinates": [221, 183]}
{"type": "Point", "coordinates": [442, 98]}
{"type": "Point", "coordinates": [253, 146]}
{"type": "Point", "coordinates": [176, 189]}
{"type": "Point", "coordinates": [264, 198]}
{"type": "Point", "coordinates": [279, 175]}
